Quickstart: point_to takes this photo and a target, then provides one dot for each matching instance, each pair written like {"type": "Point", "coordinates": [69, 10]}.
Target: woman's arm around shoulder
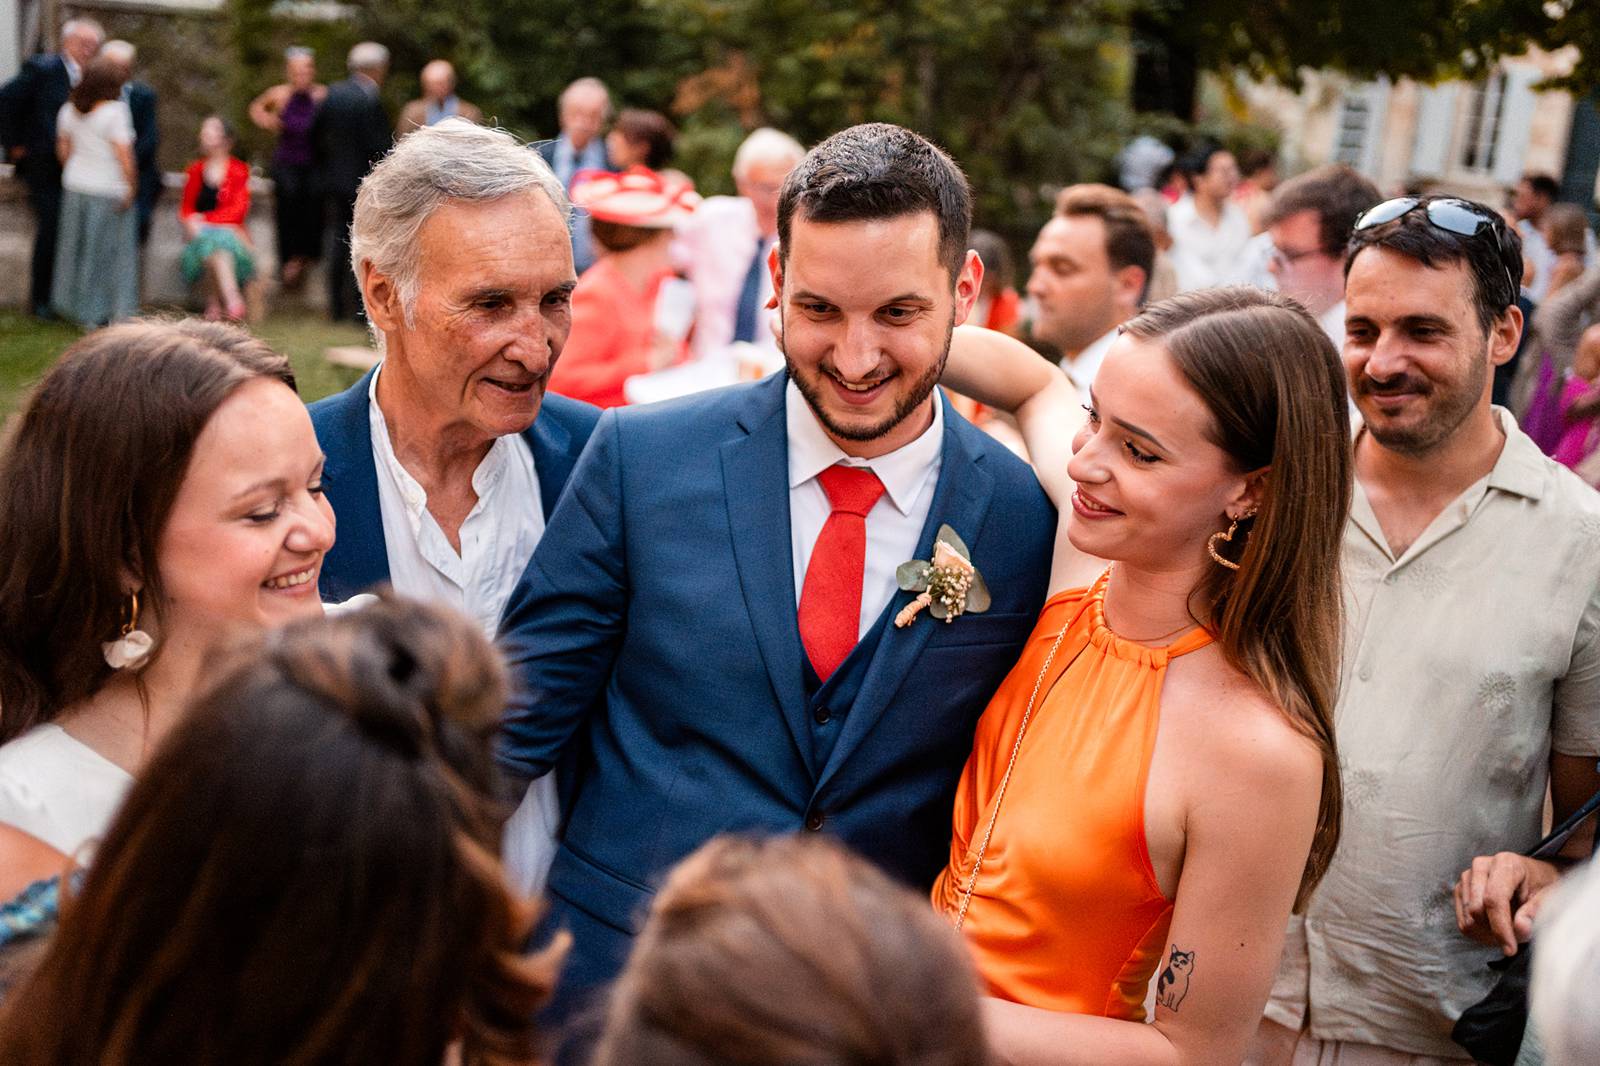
{"type": "Point", "coordinates": [1251, 815]}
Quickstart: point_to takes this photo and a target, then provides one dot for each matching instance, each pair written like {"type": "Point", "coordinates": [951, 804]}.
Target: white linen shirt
{"type": "Point", "coordinates": [894, 525]}
{"type": "Point", "coordinates": [1081, 371]}
{"type": "Point", "coordinates": [497, 539]}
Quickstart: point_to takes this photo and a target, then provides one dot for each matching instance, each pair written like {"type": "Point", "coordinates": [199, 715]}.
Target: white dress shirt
{"type": "Point", "coordinates": [1203, 254]}
{"type": "Point", "coordinates": [894, 525]}
{"type": "Point", "coordinates": [497, 540]}
{"type": "Point", "coordinates": [1081, 371]}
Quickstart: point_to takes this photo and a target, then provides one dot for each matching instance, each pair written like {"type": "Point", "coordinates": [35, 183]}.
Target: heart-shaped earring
{"type": "Point", "coordinates": [1226, 536]}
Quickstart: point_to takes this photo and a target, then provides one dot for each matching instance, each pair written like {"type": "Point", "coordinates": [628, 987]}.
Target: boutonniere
{"type": "Point", "coordinates": [948, 586]}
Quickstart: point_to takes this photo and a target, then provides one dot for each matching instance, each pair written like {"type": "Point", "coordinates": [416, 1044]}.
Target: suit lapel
{"type": "Point", "coordinates": [359, 557]}
{"type": "Point", "coordinates": [961, 501]}
{"type": "Point", "coordinates": [553, 458]}
{"type": "Point", "coordinates": [756, 486]}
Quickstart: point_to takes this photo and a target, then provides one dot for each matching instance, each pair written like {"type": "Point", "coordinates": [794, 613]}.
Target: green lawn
{"type": "Point", "coordinates": [28, 347]}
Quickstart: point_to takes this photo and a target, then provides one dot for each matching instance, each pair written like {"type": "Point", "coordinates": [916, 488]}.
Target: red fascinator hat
{"type": "Point", "coordinates": [636, 197]}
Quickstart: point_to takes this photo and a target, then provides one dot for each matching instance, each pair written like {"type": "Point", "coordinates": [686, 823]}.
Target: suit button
{"type": "Point", "coordinates": [814, 821]}
{"type": "Point", "coordinates": [823, 716]}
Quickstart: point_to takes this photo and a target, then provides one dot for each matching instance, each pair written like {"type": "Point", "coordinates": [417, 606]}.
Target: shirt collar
{"type": "Point", "coordinates": [490, 472]}
{"type": "Point", "coordinates": [902, 471]}
{"type": "Point", "coordinates": [1081, 371]}
{"type": "Point", "coordinates": [1522, 468]}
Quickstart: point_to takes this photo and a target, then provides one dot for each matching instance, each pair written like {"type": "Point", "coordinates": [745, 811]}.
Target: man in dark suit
{"type": "Point", "coordinates": [713, 606]}
{"type": "Point", "coordinates": [444, 462]}
{"type": "Point", "coordinates": [583, 110]}
{"type": "Point", "coordinates": [351, 132]}
{"type": "Point", "coordinates": [141, 101]}
{"type": "Point", "coordinates": [29, 104]}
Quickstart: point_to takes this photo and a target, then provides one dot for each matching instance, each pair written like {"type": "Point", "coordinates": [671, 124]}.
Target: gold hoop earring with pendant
{"type": "Point", "coordinates": [132, 649]}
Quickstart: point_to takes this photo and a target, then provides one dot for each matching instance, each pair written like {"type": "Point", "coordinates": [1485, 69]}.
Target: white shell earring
{"type": "Point", "coordinates": [132, 649]}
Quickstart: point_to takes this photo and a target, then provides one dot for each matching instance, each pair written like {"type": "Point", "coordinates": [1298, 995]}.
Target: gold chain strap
{"type": "Point", "coordinates": [994, 816]}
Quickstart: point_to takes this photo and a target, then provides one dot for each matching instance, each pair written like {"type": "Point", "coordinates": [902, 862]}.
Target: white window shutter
{"type": "Point", "coordinates": [1516, 123]}
{"type": "Point", "coordinates": [1436, 120]}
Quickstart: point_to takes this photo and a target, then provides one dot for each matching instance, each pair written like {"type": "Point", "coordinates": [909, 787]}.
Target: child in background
{"type": "Point", "coordinates": [1580, 403]}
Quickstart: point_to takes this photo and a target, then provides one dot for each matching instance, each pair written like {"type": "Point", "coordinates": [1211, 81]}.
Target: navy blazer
{"type": "Point", "coordinates": [29, 104]}
{"type": "Point", "coordinates": [359, 558]}
{"type": "Point", "coordinates": [662, 597]}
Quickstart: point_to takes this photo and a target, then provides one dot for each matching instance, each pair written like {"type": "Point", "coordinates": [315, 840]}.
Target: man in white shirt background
{"type": "Point", "coordinates": [1209, 229]}
{"type": "Point", "coordinates": [445, 460]}
{"type": "Point", "coordinates": [1091, 265]}
{"type": "Point", "coordinates": [1309, 221]}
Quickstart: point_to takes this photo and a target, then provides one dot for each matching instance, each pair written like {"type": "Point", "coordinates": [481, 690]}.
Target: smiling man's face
{"type": "Point", "coordinates": [493, 308]}
{"type": "Point", "coordinates": [868, 308]}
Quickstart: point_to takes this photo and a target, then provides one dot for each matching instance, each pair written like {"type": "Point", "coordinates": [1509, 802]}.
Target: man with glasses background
{"type": "Point", "coordinates": [1471, 674]}
{"type": "Point", "coordinates": [1309, 222]}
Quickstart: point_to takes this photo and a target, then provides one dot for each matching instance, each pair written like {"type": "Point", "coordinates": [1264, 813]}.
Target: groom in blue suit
{"type": "Point", "coordinates": [712, 609]}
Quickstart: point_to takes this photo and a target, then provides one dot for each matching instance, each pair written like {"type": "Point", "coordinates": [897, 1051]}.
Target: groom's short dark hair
{"type": "Point", "coordinates": [878, 170]}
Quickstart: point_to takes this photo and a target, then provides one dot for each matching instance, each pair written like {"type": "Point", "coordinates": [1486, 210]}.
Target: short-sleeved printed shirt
{"type": "Point", "coordinates": [1466, 661]}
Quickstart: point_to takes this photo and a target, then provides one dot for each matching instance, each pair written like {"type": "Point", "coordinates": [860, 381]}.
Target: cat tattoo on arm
{"type": "Point", "coordinates": [1174, 982]}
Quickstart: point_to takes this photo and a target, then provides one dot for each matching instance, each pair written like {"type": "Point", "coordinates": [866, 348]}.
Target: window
{"type": "Point", "coordinates": [1480, 137]}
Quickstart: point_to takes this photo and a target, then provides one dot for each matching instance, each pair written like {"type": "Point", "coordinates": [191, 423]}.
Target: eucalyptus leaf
{"type": "Point", "coordinates": [913, 576]}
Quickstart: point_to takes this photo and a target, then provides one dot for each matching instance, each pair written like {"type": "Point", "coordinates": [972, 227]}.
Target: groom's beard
{"type": "Point", "coordinates": [905, 405]}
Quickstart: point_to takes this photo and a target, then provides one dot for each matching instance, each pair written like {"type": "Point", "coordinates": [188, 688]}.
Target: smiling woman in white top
{"type": "Point", "coordinates": [162, 498]}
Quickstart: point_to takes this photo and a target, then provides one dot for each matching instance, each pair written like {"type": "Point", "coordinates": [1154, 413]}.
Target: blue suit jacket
{"type": "Point", "coordinates": [359, 558]}
{"type": "Point", "coordinates": [657, 620]}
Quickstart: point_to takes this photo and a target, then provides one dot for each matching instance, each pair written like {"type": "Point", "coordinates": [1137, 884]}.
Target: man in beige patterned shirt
{"type": "Point", "coordinates": [1471, 677]}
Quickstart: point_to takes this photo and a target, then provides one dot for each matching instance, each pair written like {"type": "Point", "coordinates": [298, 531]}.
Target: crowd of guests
{"type": "Point", "coordinates": [1222, 733]}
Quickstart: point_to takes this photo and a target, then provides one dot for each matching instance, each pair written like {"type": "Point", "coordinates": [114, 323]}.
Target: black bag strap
{"type": "Point", "coordinates": [1557, 839]}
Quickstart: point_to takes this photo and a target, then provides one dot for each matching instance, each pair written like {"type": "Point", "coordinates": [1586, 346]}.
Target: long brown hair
{"type": "Point", "coordinates": [1275, 389]}
{"type": "Point", "coordinates": [307, 872]}
{"type": "Point", "coordinates": [86, 488]}
{"type": "Point", "coordinates": [792, 950]}
{"type": "Point", "coordinates": [102, 80]}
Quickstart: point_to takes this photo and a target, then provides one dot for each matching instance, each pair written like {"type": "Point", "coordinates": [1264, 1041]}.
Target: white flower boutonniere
{"type": "Point", "coordinates": [948, 586]}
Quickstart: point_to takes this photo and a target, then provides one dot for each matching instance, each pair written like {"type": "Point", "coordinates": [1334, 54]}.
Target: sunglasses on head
{"type": "Point", "coordinates": [1461, 217]}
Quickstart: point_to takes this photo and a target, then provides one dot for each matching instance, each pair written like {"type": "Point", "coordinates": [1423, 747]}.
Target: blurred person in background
{"type": "Point", "coordinates": [351, 132]}
{"type": "Point", "coordinates": [1309, 223]}
{"type": "Point", "coordinates": [1258, 169]}
{"type": "Point", "coordinates": [29, 106]}
{"type": "Point", "coordinates": [1565, 228]}
{"type": "Point", "coordinates": [791, 950]}
{"type": "Point", "coordinates": [141, 101]}
{"type": "Point", "coordinates": [96, 277]}
{"type": "Point", "coordinates": [307, 872]}
{"type": "Point", "coordinates": [582, 111]}
{"type": "Point", "coordinates": [1088, 270]}
{"type": "Point", "coordinates": [998, 307]}
{"type": "Point", "coordinates": [1163, 278]}
{"type": "Point", "coordinates": [438, 101]}
{"type": "Point", "coordinates": [641, 139]}
{"type": "Point", "coordinates": [289, 109]}
{"type": "Point", "coordinates": [1209, 230]}
{"type": "Point", "coordinates": [216, 202]}
{"type": "Point", "coordinates": [728, 242]}
{"type": "Point", "coordinates": [615, 327]}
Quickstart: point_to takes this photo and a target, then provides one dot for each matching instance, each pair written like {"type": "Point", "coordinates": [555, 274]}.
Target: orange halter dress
{"type": "Point", "coordinates": [1066, 913]}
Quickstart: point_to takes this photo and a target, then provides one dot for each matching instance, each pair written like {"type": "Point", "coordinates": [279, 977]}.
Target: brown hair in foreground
{"type": "Point", "coordinates": [306, 873]}
{"type": "Point", "coordinates": [1275, 389]}
{"type": "Point", "coordinates": [85, 488]}
{"type": "Point", "coordinates": [792, 951]}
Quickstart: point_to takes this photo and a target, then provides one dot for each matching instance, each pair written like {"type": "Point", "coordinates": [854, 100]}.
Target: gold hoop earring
{"type": "Point", "coordinates": [132, 649]}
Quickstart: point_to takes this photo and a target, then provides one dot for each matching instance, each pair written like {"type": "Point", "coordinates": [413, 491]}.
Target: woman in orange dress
{"type": "Point", "coordinates": [1155, 784]}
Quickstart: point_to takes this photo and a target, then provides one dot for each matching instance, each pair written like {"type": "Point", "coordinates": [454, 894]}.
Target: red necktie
{"type": "Point", "coordinates": [830, 598]}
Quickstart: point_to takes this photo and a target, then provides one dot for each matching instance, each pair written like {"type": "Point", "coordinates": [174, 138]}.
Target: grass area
{"type": "Point", "coordinates": [29, 347]}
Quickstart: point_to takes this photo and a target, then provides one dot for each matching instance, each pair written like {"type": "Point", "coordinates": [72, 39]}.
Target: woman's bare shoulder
{"type": "Point", "coordinates": [1244, 732]}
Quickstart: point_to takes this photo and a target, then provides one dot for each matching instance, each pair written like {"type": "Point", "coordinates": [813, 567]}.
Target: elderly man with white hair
{"type": "Point", "coordinates": [29, 104]}
{"type": "Point", "coordinates": [350, 133]}
{"type": "Point", "coordinates": [583, 109]}
{"type": "Point", "coordinates": [445, 460]}
{"type": "Point", "coordinates": [727, 241]}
